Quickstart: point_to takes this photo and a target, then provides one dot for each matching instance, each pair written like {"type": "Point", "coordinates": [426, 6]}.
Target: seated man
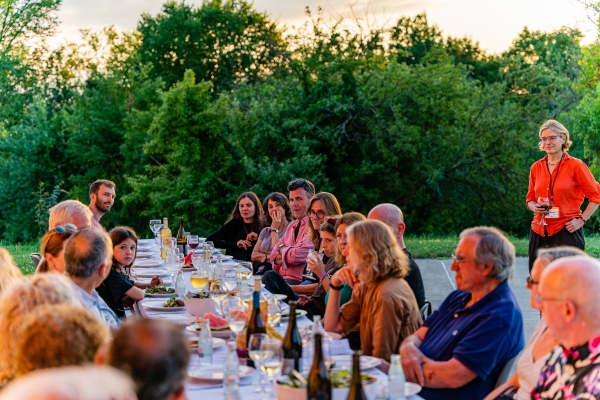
{"type": "Point", "coordinates": [88, 258]}
{"type": "Point", "coordinates": [570, 302]}
{"type": "Point", "coordinates": [102, 198]}
{"type": "Point", "coordinates": [289, 255]}
{"type": "Point", "coordinates": [461, 348]}
{"type": "Point", "coordinates": [70, 212]}
{"type": "Point", "coordinates": [155, 354]}
{"type": "Point", "coordinates": [392, 216]}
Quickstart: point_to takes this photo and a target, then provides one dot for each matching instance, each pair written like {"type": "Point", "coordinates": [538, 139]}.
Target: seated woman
{"type": "Point", "coordinates": [117, 288]}
{"type": "Point", "coordinates": [239, 235]}
{"type": "Point", "coordinates": [277, 218]}
{"type": "Point", "coordinates": [382, 302]}
{"type": "Point", "coordinates": [540, 345]}
{"type": "Point", "coordinates": [51, 249]}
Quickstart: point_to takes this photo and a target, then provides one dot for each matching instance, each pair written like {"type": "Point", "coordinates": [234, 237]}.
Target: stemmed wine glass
{"type": "Point", "coordinates": [156, 226]}
{"type": "Point", "coordinates": [235, 312]}
{"type": "Point", "coordinates": [315, 258]}
{"type": "Point", "coordinates": [193, 242]}
{"type": "Point", "coordinates": [258, 354]}
{"type": "Point", "coordinates": [199, 278]}
{"type": "Point", "coordinates": [273, 360]}
{"type": "Point", "coordinates": [543, 202]}
{"type": "Point", "coordinates": [229, 278]}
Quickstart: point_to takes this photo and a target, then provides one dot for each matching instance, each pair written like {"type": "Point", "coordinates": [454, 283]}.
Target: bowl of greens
{"type": "Point", "coordinates": [290, 388]}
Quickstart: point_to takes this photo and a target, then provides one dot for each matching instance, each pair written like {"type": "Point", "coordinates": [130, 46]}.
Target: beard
{"type": "Point", "coordinates": [102, 206]}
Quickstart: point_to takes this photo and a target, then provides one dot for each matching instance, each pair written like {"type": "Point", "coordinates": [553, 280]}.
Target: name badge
{"type": "Point", "coordinates": [553, 213]}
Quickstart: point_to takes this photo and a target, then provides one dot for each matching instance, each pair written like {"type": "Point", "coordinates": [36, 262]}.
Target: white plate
{"type": "Point", "coordinates": [224, 333]}
{"type": "Point", "coordinates": [411, 388]}
{"type": "Point", "coordinates": [224, 257]}
{"type": "Point", "coordinates": [214, 373]}
{"type": "Point", "coordinates": [366, 362]}
{"type": "Point", "coordinates": [333, 335]}
{"type": "Point", "coordinates": [149, 273]}
{"type": "Point", "coordinates": [148, 263]}
{"type": "Point", "coordinates": [144, 241]}
{"type": "Point", "coordinates": [299, 313]}
{"type": "Point", "coordinates": [157, 305]}
{"type": "Point", "coordinates": [280, 296]}
{"type": "Point", "coordinates": [162, 296]}
{"type": "Point", "coordinates": [216, 342]}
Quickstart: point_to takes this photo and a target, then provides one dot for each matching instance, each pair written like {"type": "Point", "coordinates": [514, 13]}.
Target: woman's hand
{"type": "Point", "coordinates": [252, 237]}
{"type": "Point", "coordinates": [317, 267]}
{"type": "Point", "coordinates": [156, 281]}
{"type": "Point", "coordinates": [303, 299]}
{"type": "Point", "coordinates": [536, 209]}
{"type": "Point", "coordinates": [574, 224]}
{"type": "Point", "coordinates": [277, 220]}
{"type": "Point", "coordinates": [244, 244]}
{"type": "Point", "coordinates": [345, 275]}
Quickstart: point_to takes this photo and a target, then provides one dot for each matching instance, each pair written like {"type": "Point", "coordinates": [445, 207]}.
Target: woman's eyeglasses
{"type": "Point", "coordinates": [65, 228]}
{"type": "Point", "coordinates": [530, 282]}
{"type": "Point", "coordinates": [319, 214]}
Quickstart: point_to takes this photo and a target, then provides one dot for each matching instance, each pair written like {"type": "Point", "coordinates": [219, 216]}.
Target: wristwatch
{"type": "Point", "coordinates": [275, 230]}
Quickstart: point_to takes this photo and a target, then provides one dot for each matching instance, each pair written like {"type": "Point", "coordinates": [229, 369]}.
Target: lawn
{"type": "Point", "coordinates": [420, 246]}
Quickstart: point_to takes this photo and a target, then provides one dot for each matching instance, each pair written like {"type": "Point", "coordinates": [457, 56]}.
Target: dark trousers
{"type": "Point", "coordinates": [275, 284]}
{"type": "Point", "coordinates": [561, 238]}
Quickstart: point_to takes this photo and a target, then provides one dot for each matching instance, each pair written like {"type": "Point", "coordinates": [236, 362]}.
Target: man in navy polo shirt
{"type": "Point", "coordinates": [461, 348]}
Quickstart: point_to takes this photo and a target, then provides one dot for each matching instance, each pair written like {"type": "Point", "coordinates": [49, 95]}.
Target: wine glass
{"type": "Point", "coordinates": [274, 312]}
{"type": "Point", "coordinates": [544, 203]}
{"type": "Point", "coordinates": [218, 296]}
{"type": "Point", "coordinates": [256, 353]}
{"type": "Point", "coordinates": [272, 361]}
{"type": "Point", "coordinates": [193, 242]}
{"type": "Point", "coordinates": [235, 312]}
{"type": "Point", "coordinates": [199, 278]}
{"type": "Point", "coordinates": [229, 278]}
{"type": "Point", "coordinates": [315, 257]}
{"type": "Point", "coordinates": [172, 267]}
{"type": "Point", "coordinates": [156, 226]}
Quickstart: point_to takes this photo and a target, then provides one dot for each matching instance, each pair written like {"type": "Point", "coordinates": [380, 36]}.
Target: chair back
{"type": "Point", "coordinates": [506, 372]}
{"type": "Point", "coordinates": [35, 259]}
{"type": "Point", "coordinates": [425, 310]}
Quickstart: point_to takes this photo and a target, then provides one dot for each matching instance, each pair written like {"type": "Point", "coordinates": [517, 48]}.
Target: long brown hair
{"type": "Point", "coordinates": [52, 242]}
{"type": "Point", "coordinates": [118, 235]}
{"type": "Point", "coordinates": [332, 208]}
{"type": "Point", "coordinates": [257, 220]}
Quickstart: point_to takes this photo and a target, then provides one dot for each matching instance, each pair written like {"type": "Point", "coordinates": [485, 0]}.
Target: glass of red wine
{"type": "Point", "coordinates": [193, 242]}
{"type": "Point", "coordinates": [543, 202]}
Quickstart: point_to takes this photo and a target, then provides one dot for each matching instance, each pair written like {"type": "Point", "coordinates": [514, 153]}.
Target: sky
{"type": "Point", "coordinates": [492, 23]}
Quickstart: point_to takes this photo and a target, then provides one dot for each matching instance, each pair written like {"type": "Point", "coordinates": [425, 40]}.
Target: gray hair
{"type": "Point", "coordinates": [86, 251]}
{"type": "Point", "coordinates": [559, 129]}
{"type": "Point", "coordinates": [493, 248]}
{"type": "Point", "coordinates": [62, 213]}
{"type": "Point", "coordinates": [554, 253]}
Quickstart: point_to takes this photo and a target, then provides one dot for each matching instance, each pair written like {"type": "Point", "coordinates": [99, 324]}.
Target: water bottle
{"type": "Point", "coordinates": [396, 379]}
{"type": "Point", "coordinates": [179, 285]}
{"type": "Point", "coordinates": [231, 377]}
{"type": "Point", "coordinates": [205, 349]}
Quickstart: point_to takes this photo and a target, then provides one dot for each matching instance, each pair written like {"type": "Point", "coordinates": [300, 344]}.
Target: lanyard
{"type": "Point", "coordinates": [551, 184]}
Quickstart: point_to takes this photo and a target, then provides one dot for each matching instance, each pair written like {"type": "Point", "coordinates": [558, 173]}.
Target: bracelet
{"type": "Point", "coordinates": [322, 275]}
{"type": "Point", "coordinates": [338, 288]}
{"type": "Point", "coordinates": [584, 220]}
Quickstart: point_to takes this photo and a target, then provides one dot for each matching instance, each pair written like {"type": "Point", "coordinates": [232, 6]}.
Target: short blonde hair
{"type": "Point", "coordinates": [21, 298]}
{"type": "Point", "coordinates": [382, 257]}
{"type": "Point", "coordinates": [62, 213]}
{"type": "Point", "coordinates": [557, 128]}
{"type": "Point", "coordinates": [57, 335]}
{"type": "Point", "coordinates": [9, 272]}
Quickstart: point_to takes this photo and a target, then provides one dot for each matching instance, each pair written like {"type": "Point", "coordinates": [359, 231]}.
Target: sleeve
{"type": "Point", "coordinates": [225, 237]}
{"type": "Point", "coordinates": [264, 233]}
{"type": "Point", "coordinates": [350, 312]}
{"type": "Point", "coordinates": [531, 190]}
{"type": "Point", "coordinates": [586, 181]}
{"type": "Point", "coordinates": [386, 331]}
{"type": "Point", "coordinates": [297, 254]}
{"type": "Point", "coordinates": [415, 281]}
{"type": "Point", "coordinates": [117, 284]}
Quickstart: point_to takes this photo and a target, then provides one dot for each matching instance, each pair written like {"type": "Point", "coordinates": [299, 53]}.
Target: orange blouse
{"type": "Point", "coordinates": [572, 182]}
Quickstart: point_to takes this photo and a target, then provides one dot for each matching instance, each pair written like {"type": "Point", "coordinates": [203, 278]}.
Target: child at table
{"type": "Point", "coordinates": [117, 289]}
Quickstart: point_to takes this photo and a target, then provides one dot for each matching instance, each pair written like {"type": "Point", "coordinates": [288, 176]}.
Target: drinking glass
{"type": "Point", "coordinates": [211, 245]}
{"type": "Point", "coordinates": [543, 202]}
{"type": "Point", "coordinates": [274, 312]}
{"type": "Point", "coordinates": [235, 312]}
{"type": "Point", "coordinates": [218, 297]}
{"type": "Point", "coordinates": [229, 278]}
{"type": "Point", "coordinates": [167, 246]}
{"type": "Point", "coordinates": [315, 257]}
{"type": "Point", "coordinates": [199, 279]}
{"type": "Point", "coordinates": [172, 267]}
{"type": "Point", "coordinates": [193, 242]}
{"type": "Point", "coordinates": [257, 354]}
{"type": "Point", "coordinates": [156, 226]}
{"type": "Point", "coordinates": [272, 361]}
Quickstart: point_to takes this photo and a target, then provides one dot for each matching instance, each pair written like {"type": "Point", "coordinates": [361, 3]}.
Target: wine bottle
{"type": "Point", "coordinates": [181, 238]}
{"type": "Point", "coordinates": [164, 234]}
{"type": "Point", "coordinates": [319, 384]}
{"type": "Point", "coordinates": [396, 379]}
{"type": "Point", "coordinates": [255, 323]}
{"type": "Point", "coordinates": [356, 390]}
{"type": "Point", "coordinates": [292, 344]}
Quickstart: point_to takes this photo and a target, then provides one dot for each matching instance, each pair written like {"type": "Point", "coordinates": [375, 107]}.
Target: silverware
{"type": "Point", "coordinates": [214, 386]}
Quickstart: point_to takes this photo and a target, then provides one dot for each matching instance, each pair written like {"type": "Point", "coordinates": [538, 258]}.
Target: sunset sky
{"type": "Point", "coordinates": [493, 23]}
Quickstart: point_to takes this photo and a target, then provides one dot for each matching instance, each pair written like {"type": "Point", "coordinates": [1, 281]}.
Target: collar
{"type": "Point", "coordinates": [583, 352]}
{"type": "Point", "coordinates": [303, 221]}
{"type": "Point", "coordinates": [565, 157]}
{"type": "Point", "coordinates": [85, 296]}
{"type": "Point", "coordinates": [501, 292]}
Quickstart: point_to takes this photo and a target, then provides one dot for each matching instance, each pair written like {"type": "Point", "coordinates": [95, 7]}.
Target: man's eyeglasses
{"type": "Point", "coordinates": [530, 282]}
{"type": "Point", "coordinates": [539, 299]}
{"type": "Point", "coordinates": [459, 259]}
{"type": "Point", "coordinates": [64, 228]}
{"type": "Point", "coordinates": [548, 139]}
{"type": "Point", "coordinates": [319, 214]}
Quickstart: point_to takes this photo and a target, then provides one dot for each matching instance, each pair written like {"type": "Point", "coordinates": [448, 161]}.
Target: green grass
{"type": "Point", "coordinates": [426, 246]}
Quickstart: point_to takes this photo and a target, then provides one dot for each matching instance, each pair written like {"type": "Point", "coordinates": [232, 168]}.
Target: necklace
{"type": "Point", "coordinates": [559, 160]}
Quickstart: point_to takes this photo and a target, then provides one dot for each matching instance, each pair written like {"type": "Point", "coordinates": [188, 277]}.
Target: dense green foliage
{"type": "Point", "coordinates": [204, 102]}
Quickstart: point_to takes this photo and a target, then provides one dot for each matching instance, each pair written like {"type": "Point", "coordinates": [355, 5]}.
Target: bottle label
{"type": "Point", "coordinates": [289, 364]}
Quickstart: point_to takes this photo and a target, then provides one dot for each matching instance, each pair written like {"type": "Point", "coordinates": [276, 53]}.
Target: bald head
{"type": "Point", "coordinates": [86, 251]}
{"type": "Point", "coordinates": [390, 215]}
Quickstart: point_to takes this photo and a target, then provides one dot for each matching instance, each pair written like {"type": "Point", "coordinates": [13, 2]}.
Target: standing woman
{"type": "Point", "coordinates": [564, 181]}
{"type": "Point", "coordinates": [322, 204]}
{"type": "Point", "coordinates": [239, 235]}
{"type": "Point", "coordinates": [277, 218]}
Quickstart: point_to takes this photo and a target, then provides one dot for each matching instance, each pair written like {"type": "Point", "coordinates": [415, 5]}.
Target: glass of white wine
{"type": "Point", "coordinates": [257, 354]}
{"type": "Point", "coordinates": [199, 279]}
{"type": "Point", "coordinates": [229, 278]}
{"type": "Point", "coordinates": [235, 312]}
{"type": "Point", "coordinates": [273, 360]}
{"type": "Point", "coordinates": [274, 312]}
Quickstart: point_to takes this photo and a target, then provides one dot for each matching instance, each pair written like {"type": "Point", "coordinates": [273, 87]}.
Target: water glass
{"type": "Point", "coordinates": [257, 354]}
{"type": "Point", "coordinates": [273, 361]}
{"type": "Point", "coordinates": [274, 312]}
{"type": "Point", "coordinates": [229, 278]}
{"type": "Point", "coordinates": [235, 312]}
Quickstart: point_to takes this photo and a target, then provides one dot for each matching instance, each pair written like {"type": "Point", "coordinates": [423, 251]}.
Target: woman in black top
{"type": "Point", "coordinates": [117, 288]}
{"type": "Point", "coordinates": [239, 235]}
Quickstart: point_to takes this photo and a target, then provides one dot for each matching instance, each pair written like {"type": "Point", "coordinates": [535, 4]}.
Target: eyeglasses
{"type": "Point", "coordinates": [319, 214]}
{"type": "Point", "coordinates": [458, 259]}
{"type": "Point", "coordinates": [64, 228]}
{"type": "Point", "coordinates": [531, 282]}
{"type": "Point", "coordinates": [539, 299]}
{"type": "Point", "coordinates": [548, 139]}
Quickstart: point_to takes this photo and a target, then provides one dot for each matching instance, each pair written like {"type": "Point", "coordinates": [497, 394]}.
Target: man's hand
{"type": "Point", "coordinates": [412, 360]}
{"type": "Point", "coordinates": [279, 260]}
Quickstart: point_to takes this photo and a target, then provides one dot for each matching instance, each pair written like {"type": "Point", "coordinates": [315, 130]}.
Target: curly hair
{"type": "Point", "coordinates": [347, 219]}
{"type": "Point", "coordinates": [57, 335]}
{"type": "Point", "coordinates": [9, 272]}
{"type": "Point", "coordinates": [21, 298]}
{"type": "Point", "coordinates": [332, 208]}
{"type": "Point", "coordinates": [375, 244]}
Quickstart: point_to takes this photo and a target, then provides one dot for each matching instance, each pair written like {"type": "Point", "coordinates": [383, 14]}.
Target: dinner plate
{"type": "Point", "coordinates": [144, 255]}
{"type": "Point", "coordinates": [299, 313]}
{"type": "Point", "coordinates": [366, 362]}
{"type": "Point", "coordinates": [224, 257]}
{"type": "Point", "coordinates": [214, 373]}
{"type": "Point", "coordinates": [280, 296]}
{"type": "Point", "coordinates": [149, 273]}
{"type": "Point", "coordinates": [411, 388]}
{"type": "Point", "coordinates": [147, 263]}
{"type": "Point", "coordinates": [216, 342]}
{"type": "Point", "coordinates": [224, 333]}
{"type": "Point", "coordinates": [146, 241]}
{"type": "Point", "coordinates": [157, 305]}
{"type": "Point", "coordinates": [160, 295]}
{"type": "Point", "coordinates": [333, 335]}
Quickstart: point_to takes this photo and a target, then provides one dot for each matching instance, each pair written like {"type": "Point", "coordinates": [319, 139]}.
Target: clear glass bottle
{"type": "Point", "coordinates": [396, 379]}
{"type": "Point", "coordinates": [205, 349]}
{"type": "Point", "coordinates": [231, 376]}
{"type": "Point", "coordinates": [179, 285]}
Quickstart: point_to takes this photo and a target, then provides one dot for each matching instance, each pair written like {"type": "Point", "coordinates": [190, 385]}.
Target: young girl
{"type": "Point", "coordinates": [117, 287]}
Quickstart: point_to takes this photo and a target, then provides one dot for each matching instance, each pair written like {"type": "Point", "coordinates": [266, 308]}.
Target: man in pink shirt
{"type": "Point", "coordinates": [289, 255]}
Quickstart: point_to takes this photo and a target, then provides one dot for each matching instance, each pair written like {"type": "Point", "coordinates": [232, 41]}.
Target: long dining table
{"type": "Point", "coordinates": [198, 389]}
